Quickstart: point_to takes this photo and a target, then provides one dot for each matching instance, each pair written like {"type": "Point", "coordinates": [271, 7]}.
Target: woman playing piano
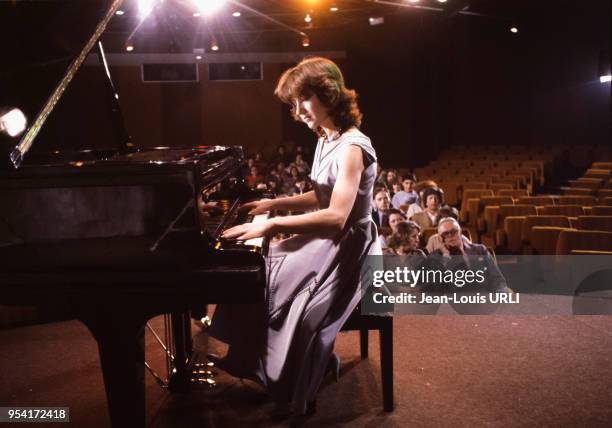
{"type": "Point", "coordinates": [313, 277]}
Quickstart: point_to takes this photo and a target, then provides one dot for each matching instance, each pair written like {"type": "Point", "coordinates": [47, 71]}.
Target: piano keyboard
{"type": "Point", "coordinates": [260, 218]}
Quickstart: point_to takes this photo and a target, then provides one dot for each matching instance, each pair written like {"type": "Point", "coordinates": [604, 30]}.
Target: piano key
{"type": "Point", "coordinates": [260, 218]}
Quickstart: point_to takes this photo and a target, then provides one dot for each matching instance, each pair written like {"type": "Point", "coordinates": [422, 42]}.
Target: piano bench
{"type": "Point", "coordinates": [384, 325]}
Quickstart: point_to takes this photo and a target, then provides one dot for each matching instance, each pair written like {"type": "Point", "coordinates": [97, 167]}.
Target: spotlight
{"type": "Point", "coordinates": [376, 20]}
{"type": "Point", "coordinates": [208, 7]}
{"type": "Point", "coordinates": [13, 123]}
{"type": "Point", "coordinates": [196, 14]}
{"type": "Point", "coordinates": [307, 18]}
{"type": "Point", "coordinates": [441, 1]}
{"type": "Point", "coordinates": [605, 79]}
{"type": "Point", "coordinates": [236, 14]}
{"type": "Point", "coordinates": [145, 7]}
{"type": "Point", "coordinates": [305, 41]}
{"type": "Point", "coordinates": [333, 8]}
{"type": "Point", "coordinates": [214, 46]}
{"type": "Point", "coordinates": [414, 1]}
{"type": "Point", "coordinates": [198, 57]}
{"type": "Point", "coordinates": [119, 12]}
{"type": "Point", "coordinates": [514, 30]}
{"type": "Point", "coordinates": [129, 45]}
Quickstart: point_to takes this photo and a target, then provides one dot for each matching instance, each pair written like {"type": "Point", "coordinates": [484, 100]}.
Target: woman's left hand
{"type": "Point", "coordinates": [248, 231]}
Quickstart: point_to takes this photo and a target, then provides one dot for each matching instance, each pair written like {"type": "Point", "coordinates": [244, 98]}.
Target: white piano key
{"type": "Point", "coordinates": [259, 218]}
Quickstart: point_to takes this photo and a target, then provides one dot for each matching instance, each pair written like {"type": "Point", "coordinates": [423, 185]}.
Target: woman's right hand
{"type": "Point", "coordinates": [258, 207]}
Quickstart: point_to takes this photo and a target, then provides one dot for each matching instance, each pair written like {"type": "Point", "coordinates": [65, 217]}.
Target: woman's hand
{"type": "Point", "coordinates": [249, 230]}
{"type": "Point", "coordinates": [257, 207]}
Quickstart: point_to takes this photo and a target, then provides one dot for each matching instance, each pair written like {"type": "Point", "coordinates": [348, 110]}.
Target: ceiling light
{"type": "Point", "coordinates": [441, 1]}
{"type": "Point", "coordinates": [305, 41]}
{"type": "Point", "coordinates": [214, 46]}
{"type": "Point", "coordinates": [119, 12]}
{"type": "Point", "coordinates": [208, 7]}
{"type": "Point", "coordinates": [414, 1]}
{"type": "Point", "coordinates": [129, 45]}
{"type": "Point", "coordinates": [145, 7]}
{"type": "Point", "coordinates": [605, 79]}
{"type": "Point", "coordinates": [236, 14]}
{"type": "Point", "coordinates": [514, 30]}
{"type": "Point", "coordinates": [198, 57]}
{"type": "Point", "coordinates": [196, 14]}
{"type": "Point", "coordinates": [376, 20]}
{"type": "Point", "coordinates": [307, 18]}
{"type": "Point", "coordinates": [334, 8]}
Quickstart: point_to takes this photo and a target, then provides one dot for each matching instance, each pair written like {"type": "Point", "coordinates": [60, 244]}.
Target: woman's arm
{"type": "Point", "coordinates": [304, 202]}
{"type": "Point", "coordinates": [325, 222]}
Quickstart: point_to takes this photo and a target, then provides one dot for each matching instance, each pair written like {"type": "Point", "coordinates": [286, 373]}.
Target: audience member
{"type": "Point", "coordinates": [432, 200]}
{"type": "Point", "coordinates": [380, 211]}
{"type": "Point", "coordinates": [405, 240]}
{"type": "Point", "coordinates": [407, 195]}
{"type": "Point", "coordinates": [395, 217]}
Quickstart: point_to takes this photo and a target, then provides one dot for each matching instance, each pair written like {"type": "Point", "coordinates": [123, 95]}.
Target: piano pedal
{"type": "Point", "coordinates": [203, 374]}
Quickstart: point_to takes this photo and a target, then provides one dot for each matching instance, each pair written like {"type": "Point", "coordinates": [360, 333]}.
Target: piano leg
{"type": "Point", "coordinates": [183, 345]}
{"type": "Point", "coordinates": [120, 336]}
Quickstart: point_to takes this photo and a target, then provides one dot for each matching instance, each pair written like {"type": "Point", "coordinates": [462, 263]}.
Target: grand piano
{"type": "Point", "coordinates": [115, 236]}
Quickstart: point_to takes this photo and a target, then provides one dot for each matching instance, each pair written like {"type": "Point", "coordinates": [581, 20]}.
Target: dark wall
{"type": "Point", "coordinates": [426, 81]}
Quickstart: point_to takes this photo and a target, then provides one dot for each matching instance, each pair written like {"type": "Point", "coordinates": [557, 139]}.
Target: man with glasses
{"type": "Point", "coordinates": [457, 253]}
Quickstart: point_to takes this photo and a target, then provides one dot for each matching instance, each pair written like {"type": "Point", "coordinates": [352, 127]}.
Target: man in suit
{"type": "Point", "coordinates": [457, 253]}
{"type": "Point", "coordinates": [380, 213]}
{"type": "Point", "coordinates": [432, 201]}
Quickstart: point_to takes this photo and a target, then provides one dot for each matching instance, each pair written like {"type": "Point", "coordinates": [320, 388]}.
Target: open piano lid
{"type": "Point", "coordinates": [44, 44]}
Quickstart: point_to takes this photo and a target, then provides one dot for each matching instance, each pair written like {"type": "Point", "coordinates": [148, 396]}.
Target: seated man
{"type": "Point", "coordinates": [475, 256]}
{"type": "Point", "coordinates": [432, 200]}
{"type": "Point", "coordinates": [380, 213]}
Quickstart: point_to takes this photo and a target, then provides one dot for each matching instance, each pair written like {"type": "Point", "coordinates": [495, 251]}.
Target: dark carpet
{"type": "Point", "coordinates": [462, 371]}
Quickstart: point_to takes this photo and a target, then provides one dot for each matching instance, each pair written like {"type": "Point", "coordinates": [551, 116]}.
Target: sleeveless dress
{"type": "Point", "coordinates": [313, 286]}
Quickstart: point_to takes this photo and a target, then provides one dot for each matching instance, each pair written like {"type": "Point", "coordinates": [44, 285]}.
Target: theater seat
{"type": "Point", "coordinates": [514, 226]}
{"type": "Point", "coordinates": [469, 210]}
{"type": "Point", "coordinates": [602, 165]}
{"type": "Point", "coordinates": [544, 239]}
{"type": "Point", "coordinates": [601, 210]}
{"type": "Point", "coordinates": [595, 222]}
{"type": "Point", "coordinates": [577, 191]}
{"type": "Point", "coordinates": [539, 201]}
{"type": "Point", "coordinates": [584, 201]}
{"type": "Point", "coordinates": [512, 234]}
{"type": "Point", "coordinates": [566, 210]}
{"type": "Point", "coordinates": [583, 240]}
{"type": "Point", "coordinates": [543, 220]}
{"type": "Point", "coordinates": [489, 207]}
{"type": "Point", "coordinates": [497, 187]}
{"type": "Point", "coordinates": [513, 193]}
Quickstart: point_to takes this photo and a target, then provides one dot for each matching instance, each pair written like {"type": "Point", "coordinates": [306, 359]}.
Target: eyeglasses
{"type": "Point", "coordinates": [448, 233]}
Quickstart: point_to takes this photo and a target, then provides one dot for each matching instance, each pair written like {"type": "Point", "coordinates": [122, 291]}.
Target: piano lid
{"type": "Point", "coordinates": [42, 45]}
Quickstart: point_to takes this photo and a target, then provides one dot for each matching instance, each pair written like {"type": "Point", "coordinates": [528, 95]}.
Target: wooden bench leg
{"type": "Point", "coordinates": [363, 342]}
{"type": "Point", "coordinates": [386, 363]}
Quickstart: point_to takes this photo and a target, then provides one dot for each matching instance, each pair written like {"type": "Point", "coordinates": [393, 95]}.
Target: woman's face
{"type": "Point", "coordinates": [413, 239]}
{"type": "Point", "coordinates": [311, 112]}
{"type": "Point", "coordinates": [394, 220]}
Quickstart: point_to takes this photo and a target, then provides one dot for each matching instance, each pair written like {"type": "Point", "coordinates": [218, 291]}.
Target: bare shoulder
{"type": "Point", "coordinates": [351, 157]}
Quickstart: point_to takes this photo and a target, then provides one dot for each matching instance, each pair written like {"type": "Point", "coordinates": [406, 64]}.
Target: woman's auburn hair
{"type": "Point", "coordinates": [323, 78]}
